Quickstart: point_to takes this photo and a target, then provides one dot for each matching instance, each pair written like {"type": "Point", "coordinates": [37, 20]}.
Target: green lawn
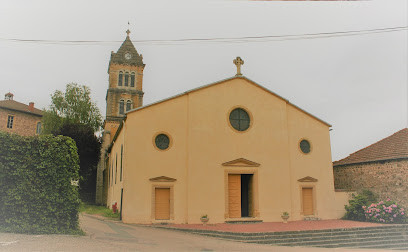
{"type": "Point", "coordinates": [99, 210]}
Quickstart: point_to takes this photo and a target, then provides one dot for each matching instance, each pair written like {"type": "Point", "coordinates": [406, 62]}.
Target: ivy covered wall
{"type": "Point", "coordinates": [36, 194]}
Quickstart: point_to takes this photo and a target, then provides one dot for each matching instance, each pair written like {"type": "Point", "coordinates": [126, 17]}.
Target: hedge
{"type": "Point", "coordinates": [36, 194]}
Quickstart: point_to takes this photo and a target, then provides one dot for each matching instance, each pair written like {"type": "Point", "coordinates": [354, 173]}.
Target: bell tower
{"type": "Point", "coordinates": [125, 92]}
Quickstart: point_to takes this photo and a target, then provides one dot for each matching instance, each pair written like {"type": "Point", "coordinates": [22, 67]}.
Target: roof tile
{"type": "Point", "coordinates": [392, 147]}
{"type": "Point", "coordinates": [18, 106]}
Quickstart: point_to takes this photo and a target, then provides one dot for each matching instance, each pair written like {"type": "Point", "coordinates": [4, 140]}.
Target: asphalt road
{"type": "Point", "coordinates": [116, 236]}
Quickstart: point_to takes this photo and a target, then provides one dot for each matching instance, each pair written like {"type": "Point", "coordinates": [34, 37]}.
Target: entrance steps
{"type": "Point", "coordinates": [243, 221]}
{"type": "Point", "coordinates": [381, 237]}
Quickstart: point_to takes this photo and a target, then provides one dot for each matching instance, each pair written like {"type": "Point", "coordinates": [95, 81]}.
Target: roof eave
{"type": "Point", "coordinates": [371, 161]}
{"type": "Point", "coordinates": [23, 111]}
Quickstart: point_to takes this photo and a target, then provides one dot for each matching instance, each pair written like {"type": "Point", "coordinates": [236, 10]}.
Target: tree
{"type": "Point", "coordinates": [75, 105]}
{"type": "Point", "coordinates": [74, 114]}
{"type": "Point", "coordinates": [89, 147]}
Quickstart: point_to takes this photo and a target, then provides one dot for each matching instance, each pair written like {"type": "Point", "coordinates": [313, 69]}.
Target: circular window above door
{"type": "Point", "coordinates": [304, 146]}
{"type": "Point", "coordinates": [162, 141]}
{"type": "Point", "coordinates": [239, 119]}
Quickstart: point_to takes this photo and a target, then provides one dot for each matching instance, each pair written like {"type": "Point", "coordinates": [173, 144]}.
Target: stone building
{"type": "Point", "coordinates": [124, 93]}
{"type": "Point", "coordinates": [18, 118]}
{"type": "Point", "coordinates": [381, 167]}
{"type": "Point", "coordinates": [232, 150]}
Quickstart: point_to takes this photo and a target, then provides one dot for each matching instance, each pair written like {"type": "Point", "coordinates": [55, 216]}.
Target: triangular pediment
{"type": "Point", "coordinates": [162, 179]}
{"type": "Point", "coordinates": [241, 162]}
{"type": "Point", "coordinates": [307, 179]}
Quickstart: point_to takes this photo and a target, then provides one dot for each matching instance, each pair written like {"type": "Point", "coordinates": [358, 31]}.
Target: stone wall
{"type": "Point", "coordinates": [387, 179]}
{"type": "Point", "coordinates": [24, 124]}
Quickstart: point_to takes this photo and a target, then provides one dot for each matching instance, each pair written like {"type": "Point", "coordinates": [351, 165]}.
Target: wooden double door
{"type": "Point", "coordinates": [240, 195]}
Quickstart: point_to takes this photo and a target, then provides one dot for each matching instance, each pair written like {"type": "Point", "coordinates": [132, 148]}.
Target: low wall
{"type": "Point", "coordinates": [341, 199]}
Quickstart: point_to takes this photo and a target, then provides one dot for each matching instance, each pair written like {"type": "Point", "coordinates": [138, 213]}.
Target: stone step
{"type": "Point", "coordinates": [282, 238]}
{"type": "Point", "coordinates": [300, 235]}
{"type": "Point", "coordinates": [401, 248]}
{"type": "Point", "coordinates": [367, 244]}
{"type": "Point", "coordinates": [243, 221]}
{"type": "Point", "coordinates": [286, 233]}
{"type": "Point", "coordinates": [344, 242]}
{"type": "Point", "coordinates": [390, 236]}
{"type": "Point", "coordinates": [325, 238]}
{"type": "Point", "coordinates": [397, 245]}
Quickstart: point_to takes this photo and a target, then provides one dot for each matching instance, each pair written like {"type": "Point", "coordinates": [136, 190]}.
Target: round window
{"type": "Point", "coordinates": [305, 146]}
{"type": "Point", "coordinates": [239, 119]}
{"type": "Point", "coordinates": [162, 141]}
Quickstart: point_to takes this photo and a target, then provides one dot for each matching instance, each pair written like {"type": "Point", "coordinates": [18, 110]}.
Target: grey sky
{"type": "Point", "coordinates": [356, 83]}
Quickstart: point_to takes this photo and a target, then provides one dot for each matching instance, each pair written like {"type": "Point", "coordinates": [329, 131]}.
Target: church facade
{"type": "Point", "coordinates": [231, 150]}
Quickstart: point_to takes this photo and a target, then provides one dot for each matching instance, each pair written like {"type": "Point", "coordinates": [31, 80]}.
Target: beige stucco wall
{"type": "Point", "coordinates": [316, 164]}
{"type": "Point", "coordinates": [202, 140]}
{"type": "Point", "coordinates": [341, 199]}
{"type": "Point", "coordinates": [144, 161]}
{"type": "Point", "coordinates": [115, 184]}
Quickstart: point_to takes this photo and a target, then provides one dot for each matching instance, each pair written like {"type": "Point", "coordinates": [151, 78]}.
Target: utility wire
{"type": "Point", "coordinates": [247, 39]}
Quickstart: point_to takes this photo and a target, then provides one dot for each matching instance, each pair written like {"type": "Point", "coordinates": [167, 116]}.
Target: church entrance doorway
{"type": "Point", "coordinates": [240, 195]}
{"type": "Point", "coordinates": [307, 198]}
{"type": "Point", "coordinates": [162, 203]}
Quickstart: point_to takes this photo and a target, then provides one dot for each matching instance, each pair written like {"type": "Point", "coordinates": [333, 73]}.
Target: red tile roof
{"type": "Point", "coordinates": [392, 147]}
{"type": "Point", "coordinates": [18, 106]}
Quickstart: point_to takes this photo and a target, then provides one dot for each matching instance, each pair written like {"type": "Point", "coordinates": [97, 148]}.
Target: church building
{"type": "Point", "coordinates": [232, 150]}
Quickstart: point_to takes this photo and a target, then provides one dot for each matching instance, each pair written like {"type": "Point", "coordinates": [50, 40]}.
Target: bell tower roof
{"type": "Point", "coordinates": [127, 54]}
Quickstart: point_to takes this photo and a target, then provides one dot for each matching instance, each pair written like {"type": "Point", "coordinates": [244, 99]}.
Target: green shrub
{"type": "Point", "coordinates": [36, 195]}
{"type": "Point", "coordinates": [355, 211]}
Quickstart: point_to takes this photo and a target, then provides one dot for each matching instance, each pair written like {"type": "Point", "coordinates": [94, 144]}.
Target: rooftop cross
{"type": "Point", "coordinates": [238, 62]}
{"type": "Point", "coordinates": [128, 32]}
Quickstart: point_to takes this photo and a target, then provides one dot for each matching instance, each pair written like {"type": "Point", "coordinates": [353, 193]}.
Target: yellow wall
{"type": "Point", "coordinates": [114, 165]}
{"type": "Point", "coordinates": [202, 140]}
{"type": "Point", "coordinates": [341, 199]}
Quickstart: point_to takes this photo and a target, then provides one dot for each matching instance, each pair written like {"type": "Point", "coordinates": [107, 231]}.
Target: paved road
{"type": "Point", "coordinates": [115, 236]}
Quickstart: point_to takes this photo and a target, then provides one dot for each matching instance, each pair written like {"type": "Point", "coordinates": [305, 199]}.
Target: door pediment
{"type": "Point", "coordinates": [307, 179]}
{"type": "Point", "coordinates": [241, 162]}
{"type": "Point", "coordinates": [163, 179]}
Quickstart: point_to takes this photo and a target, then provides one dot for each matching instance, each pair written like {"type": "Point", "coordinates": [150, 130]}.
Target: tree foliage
{"type": "Point", "coordinates": [75, 105]}
{"type": "Point", "coordinates": [89, 152]}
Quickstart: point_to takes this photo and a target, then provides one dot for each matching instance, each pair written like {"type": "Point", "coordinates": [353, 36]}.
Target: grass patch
{"type": "Point", "coordinates": [99, 210]}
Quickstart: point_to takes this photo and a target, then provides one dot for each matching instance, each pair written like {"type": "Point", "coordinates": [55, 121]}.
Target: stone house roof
{"type": "Point", "coordinates": [389, 148]}
{"type": "Point", "coordinates": [21, 107]}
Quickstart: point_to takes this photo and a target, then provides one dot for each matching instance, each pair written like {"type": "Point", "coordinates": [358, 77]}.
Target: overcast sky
{"type": "Point", "coordinates": [356, 83]}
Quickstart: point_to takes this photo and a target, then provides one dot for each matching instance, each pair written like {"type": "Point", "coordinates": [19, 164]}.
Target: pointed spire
{"type": "Point", "coordinates": [127, 54]}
